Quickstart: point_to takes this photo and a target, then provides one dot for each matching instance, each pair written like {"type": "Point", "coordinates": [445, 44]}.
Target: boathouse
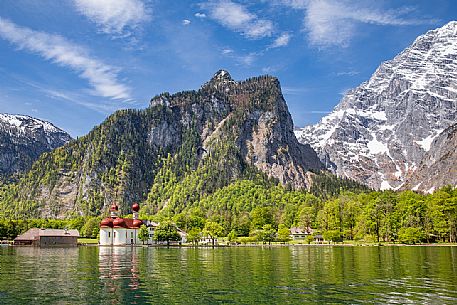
{"type": "Point", "coordinates": [48, 237]}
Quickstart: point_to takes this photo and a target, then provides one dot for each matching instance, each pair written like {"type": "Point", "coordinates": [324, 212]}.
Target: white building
{"type": "Point", "coordinates": [115, 231]}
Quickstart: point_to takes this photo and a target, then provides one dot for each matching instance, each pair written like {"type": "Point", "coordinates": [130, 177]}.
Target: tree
{"type": "Point", "coordinates": [309, 239]}
{"type": "Point", "coordinates": [194, 235]}
{"type": "Point", "coordinates": [306, 217]}
{"type": "Point", "coordinates": [333, 235]}
{"type": "Point", "coordinates": [143, 233]}
{"type": "Point", "coordinates": [213, 230]}
{"type": "Point", "coordinates": [442, 209]}
{"type": "Point", "coordinates": [283, 233]}
{"type": "Point", "coordinates": [261, 216]}
{"type": "Point", "coordinates": [166, 231]}
{"type": "Point", "coordinates": [268, 234]}
{"type": "Point", "coordinates": [411, 235]}
{"type": "Point", "coordinates": [232, 236]}
{"type": "Point", "coordinates": [91, 227]}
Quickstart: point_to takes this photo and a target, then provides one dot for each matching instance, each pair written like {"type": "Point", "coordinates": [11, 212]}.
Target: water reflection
{"type": "Point", "coordinates": [241, 275]}
{"type": "Point", "coordinates": [119, 274]}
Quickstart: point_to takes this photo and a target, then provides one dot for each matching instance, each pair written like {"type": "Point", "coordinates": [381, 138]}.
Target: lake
{"type": "Point", "coordinates": [236, 275]}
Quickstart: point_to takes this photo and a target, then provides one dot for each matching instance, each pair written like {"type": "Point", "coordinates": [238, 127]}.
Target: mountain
{"type": "Point", "coordinates": [183, 146]}
{"type": "Point", "coordinates": [23, 139]}
{"type": "Point", "coordinates": [381, 131]}
{"type": "Point", "coordinates": [439, 165]}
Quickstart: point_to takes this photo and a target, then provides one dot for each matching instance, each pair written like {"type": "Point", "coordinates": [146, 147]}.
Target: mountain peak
{"type": "Point", "coordinates": [221, 76]}
{"type": "Point", "coordinates": [450, 26]}
{"type": "Point", "coordinates": [382, 130]}
{"type": "Point", "coordinates": [23, 139]}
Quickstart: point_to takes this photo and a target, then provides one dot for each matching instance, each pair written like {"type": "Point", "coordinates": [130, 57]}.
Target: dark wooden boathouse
{"type": "Point", "coordinates": [47, 237]}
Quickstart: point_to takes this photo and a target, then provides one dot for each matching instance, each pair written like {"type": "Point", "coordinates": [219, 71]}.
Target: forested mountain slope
{"type": "Point", "coordinates": [169, 155]}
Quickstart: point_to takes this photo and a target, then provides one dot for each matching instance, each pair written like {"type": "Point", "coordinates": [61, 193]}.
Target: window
{"type": "Point", "coordinates": [131, 234]}
{"type": "Point", "coordinates": [109, 234]}
{"type": "Point", "coordinates": [114, 235]}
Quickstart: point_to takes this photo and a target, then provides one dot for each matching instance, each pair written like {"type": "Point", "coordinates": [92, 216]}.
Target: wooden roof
{"type": "Point", "coordinates": [35, 233]}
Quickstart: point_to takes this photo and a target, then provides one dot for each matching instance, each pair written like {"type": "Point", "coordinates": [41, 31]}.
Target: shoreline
{"type": "Point", "coordinates": [276, 245]}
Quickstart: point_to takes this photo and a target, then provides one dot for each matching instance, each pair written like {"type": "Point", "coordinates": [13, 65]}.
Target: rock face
{"type": "Point", "coordinates": [380, 131]}
{"type": "Point", "coordinates": [224, 131]}
{"type": "Point", "coordinates": [253, 113]}
{"type": "Point", "coordinates": [23, 139]}
{"type": "Point", "coordinates": [439, 166]}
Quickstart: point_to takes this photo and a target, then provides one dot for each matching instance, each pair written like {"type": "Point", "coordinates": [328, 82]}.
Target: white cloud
{"type": "Point", "coordinates": [186, 22]}
{"type": "Point", "coordinates": [241, 59]}
{"type": "Point", "coordinates": [334, 22]}
{"type": "Point", "coordinates": [247, 59]}
{"type": "Point", "coordinates": [200, 15]}
{"type": "Point", "coordinates": [281, 41]}
{"type": "Point", "coordinates": [294, 90]}
{"type": "Point", "coordinates": [268, 70]}
{"type": "Point", "coordinates": [227, 51]}
{"type": "Point", "coordinates": [236, 17]}
{"type": "Point", "coordinates": [347, 73]}
{"type": "Point", "coordinates": [102, 77]}
{"type": "Point", "coordinates": [114, 16]}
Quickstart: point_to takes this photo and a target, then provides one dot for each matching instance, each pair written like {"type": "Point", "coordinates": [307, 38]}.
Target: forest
{"type": "Point", "coordinates": [256, 211]}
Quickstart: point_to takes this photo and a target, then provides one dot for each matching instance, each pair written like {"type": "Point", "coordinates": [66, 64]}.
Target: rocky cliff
{"type": "Point", "coordinates": [438, 168]}
{"type": "Point", "coordinates": [380, 131]}
{"type": "Point", "coordinates": [23, 139]}
{"type": "Point", "coordinates": [182, 147]}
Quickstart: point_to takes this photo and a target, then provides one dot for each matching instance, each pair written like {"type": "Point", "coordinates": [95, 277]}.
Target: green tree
{"type": "Point", "coordinates": [306, 216]}
{"type": "Point", "coordinates": [194, 235]}
{"type": "Point", "coordinates": [261, 216]}
{"type": "Point", "coordinates": [283, 233]}
{"type": "Point", "coordinates": [442, 210]}
{"type": "Point", "coordinates": [91, 227]}
{"type": "Point", "coordinates": [268, 234]}
{"type": "Point", "coordinates": [143, 233]}
{"type": "Point", "coordinates": [411, 235]}
{"type": "Point", "coordinates": [232, 236]}
{"type": "Point", "coordinates": [213, 230]}
{"type": "Point", "coordinates": [333, 235]}
{"type": "Point", "coordinates": [166, 231]}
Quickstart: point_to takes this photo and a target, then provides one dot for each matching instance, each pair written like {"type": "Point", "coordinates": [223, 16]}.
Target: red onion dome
{"type": "Point", "coordinates": [135, 207]}
{"type": "Point", "coordinates": [114, 207]}
{"type": "Point", "coordinates": [119, 223]}
{"type": "Point", "coordinates": [107, 222]}
{"type": "Point", "coordinates": [137, 223]}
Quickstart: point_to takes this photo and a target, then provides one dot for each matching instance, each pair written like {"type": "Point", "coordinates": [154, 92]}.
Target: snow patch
{"type": "Point", "coordinates": [11, 119]}
{"type": "Point", "coordinates": [385, 186]}
{"type": "Point", "coordinates": [376, 147]}
{"type": "Point", "coordinates": [387, 127]}
{"type": "Point", "coordinates": [416, 187]}
{"type": "Point", "coordinates": [379, 115]}
{"type": "Point", "coordinates": [298, 133]}
{"type": "Point", "coordinates": [427, 142]}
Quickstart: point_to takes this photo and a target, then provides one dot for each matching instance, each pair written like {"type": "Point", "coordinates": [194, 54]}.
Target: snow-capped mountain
{"type": "Point", "coordinates": [23, 139]}
{"type": "Point", "coordinates": [380, 131]}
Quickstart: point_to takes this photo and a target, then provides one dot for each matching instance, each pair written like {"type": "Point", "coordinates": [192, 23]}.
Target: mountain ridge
{"type": "Point", "coordinates": [23, 139]}
{"type": "Point", "coordinates": [381, 130]}
{"type": "Point", "coordinates": [188, 143]}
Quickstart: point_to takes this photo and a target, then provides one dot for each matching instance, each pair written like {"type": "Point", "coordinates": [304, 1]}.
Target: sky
{"type": "Point", "coordinates": [74, 62]}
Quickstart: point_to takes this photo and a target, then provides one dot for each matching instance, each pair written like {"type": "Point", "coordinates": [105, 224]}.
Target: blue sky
{"type": "Point", "coordinates": [75, 62]}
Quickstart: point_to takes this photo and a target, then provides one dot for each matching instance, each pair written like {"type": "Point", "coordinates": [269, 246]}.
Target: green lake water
{"type": "Point", "coordinates": [236, 275]}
